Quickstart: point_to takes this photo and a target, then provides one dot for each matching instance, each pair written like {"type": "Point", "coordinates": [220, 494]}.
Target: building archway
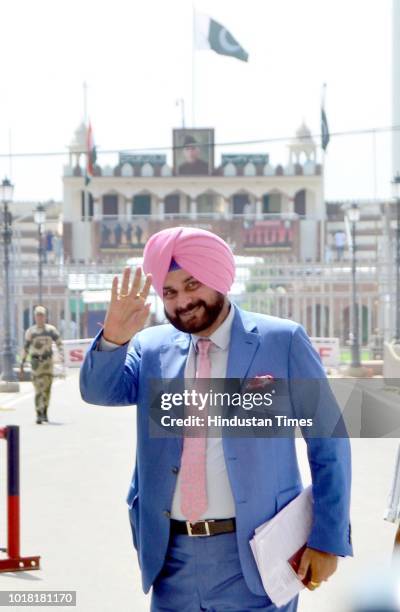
{"type": "Point", "coordinates": [141, 204]}
{"type": "Point", "coordinates": [241, 202]}
{"type": "Point", "coordinates": [110, 205]}
{"type": "Point", "coordinates": [272, 203]}
{"type": "Point", "coordinates": [300, 203]}
{"type": "Point", "coordinates": [172, 203]}
{"type": "Point", "coordinates": [209, 203]}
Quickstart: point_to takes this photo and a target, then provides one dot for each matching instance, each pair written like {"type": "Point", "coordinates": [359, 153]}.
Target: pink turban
{"type": "Point", "coordinates": [202, 254]}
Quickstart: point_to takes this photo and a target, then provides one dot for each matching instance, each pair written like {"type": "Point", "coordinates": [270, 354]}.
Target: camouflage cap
{"type": "Point", "coordinates": [40, 310]}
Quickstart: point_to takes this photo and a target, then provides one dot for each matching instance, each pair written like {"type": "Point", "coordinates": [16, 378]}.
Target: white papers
{"type": "Point", "coordinates": [276, 541]}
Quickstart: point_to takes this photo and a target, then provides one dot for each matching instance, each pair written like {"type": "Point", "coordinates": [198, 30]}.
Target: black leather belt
{"type": "Point", "coordinates": [208, 527]}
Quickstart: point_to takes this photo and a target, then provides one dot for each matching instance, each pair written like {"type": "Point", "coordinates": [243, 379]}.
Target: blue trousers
{"type": "Point", "coordinates": [204, 573]}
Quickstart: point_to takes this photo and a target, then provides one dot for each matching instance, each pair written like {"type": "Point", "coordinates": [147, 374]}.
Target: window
{"type": "Point", "coordinates": [171, 204]}
{"type": "Point", "coordinates": [272, 203]}
{"type": "Point", "coordinates": [300, 203]}
{"type": "Point", "coordinates": [110, 205]}
{"type": "Point", "coordinates": [127, 170]}
{"type": "Point", "coordinates": [147, 170]}
{"type": "Point", "coordinates": [230, 169]}
{"type": "Point", "coordinates": [249, 169]}
{"type": "Point", "coordinates": [239, 202]}
{"type": "Point", "coordinates": [206, 203]}
{"type": "Point", "coordinates": [141, 205]}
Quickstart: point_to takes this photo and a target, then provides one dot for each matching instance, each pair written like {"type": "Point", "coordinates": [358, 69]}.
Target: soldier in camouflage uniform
{"type": "Point", "coordinates": [38, 344]}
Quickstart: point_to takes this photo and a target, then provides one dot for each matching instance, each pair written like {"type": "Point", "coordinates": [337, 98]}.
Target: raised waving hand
{"type": "Point", "coordinates": [128, 310]}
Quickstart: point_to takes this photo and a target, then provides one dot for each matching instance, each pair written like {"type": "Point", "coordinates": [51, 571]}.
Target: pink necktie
{"type": "Point", "coordinates": [193, 464]}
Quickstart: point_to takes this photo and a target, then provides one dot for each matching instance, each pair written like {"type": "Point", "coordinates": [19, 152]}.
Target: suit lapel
{"type": "Point", "coordinates": [243, 345]}
{"type": "Point", "coordinates": [173, 358]}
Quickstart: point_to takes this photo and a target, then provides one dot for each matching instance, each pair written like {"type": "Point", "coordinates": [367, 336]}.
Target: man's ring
{"type": "Point", "coordinates": [122, 295]}
{"type": "Point", "coordinates": [315, 584]}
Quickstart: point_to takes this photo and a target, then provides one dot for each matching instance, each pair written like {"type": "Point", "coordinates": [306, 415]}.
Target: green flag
{"type": "Point", "coordinates": [209, 34]}
{"type": "Point", "coordinates": [325, 136]}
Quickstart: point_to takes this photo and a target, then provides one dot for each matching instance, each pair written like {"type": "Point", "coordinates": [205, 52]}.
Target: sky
{"type": "Point", "coordinates": [136, 57]}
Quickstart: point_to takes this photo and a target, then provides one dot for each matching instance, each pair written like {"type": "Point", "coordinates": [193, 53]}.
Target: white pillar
{"type": "Point", "coordinates": [161, 209]}
{"type": "Point", "coordinates": [227, 209]}
{"type": "Point", "coordinates": [193, 209]}
{"type": "Point", "coordinates": [259, 210]}
{"type": "Point", "coordinates": [128, 208]}
{"type": "Point", "coordinates": [96, 208]}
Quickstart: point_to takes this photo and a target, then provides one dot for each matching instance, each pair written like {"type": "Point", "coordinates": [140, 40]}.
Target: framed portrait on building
{"type": "Point", "coordinates": [193, 152]}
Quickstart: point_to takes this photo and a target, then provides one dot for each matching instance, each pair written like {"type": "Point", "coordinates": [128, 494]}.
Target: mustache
{"type": "Point", "coordinates": [180, 311]}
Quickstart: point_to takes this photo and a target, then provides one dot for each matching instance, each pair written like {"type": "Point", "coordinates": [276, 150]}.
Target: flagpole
{"type": "Point", "coordinates": [374, 163]}
{"type": "Point", "coordinates": [181, 103]}
{"type": "Point", "coordinates": [85, 191]}
{"type": "Point", "coordinates": [322, 229]}
{"type": "Point", "coordinates": [85, 117]}
{"type": "Point", "coordinates": [193, 65]}
{"type": "Point", "coordinates": [322, 232]}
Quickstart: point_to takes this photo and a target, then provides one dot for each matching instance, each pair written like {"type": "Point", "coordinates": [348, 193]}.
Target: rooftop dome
{"type": "Point", "coordinates": [78, 142]}
{"type": "Point", "coordinates": [304, 133]}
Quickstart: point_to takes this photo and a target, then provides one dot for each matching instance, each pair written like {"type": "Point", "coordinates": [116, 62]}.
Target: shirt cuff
{"type": "Point", "coordinates": [106, 345]}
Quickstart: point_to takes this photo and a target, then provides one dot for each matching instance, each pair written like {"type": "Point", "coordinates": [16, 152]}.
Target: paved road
{"type": "Point", "coordinates": [75, 474]}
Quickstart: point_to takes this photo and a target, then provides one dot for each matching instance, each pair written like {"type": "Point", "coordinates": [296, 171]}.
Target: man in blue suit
{"type": "Point", "coordinates": [193, 508]}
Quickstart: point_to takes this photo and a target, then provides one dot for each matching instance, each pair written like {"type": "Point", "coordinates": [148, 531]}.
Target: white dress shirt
{"type": "Point", "coordinates": [219, 493]}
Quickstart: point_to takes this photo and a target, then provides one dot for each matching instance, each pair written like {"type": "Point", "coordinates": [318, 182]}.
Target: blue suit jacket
{"type": "Point", "coordinates": [263, 472]}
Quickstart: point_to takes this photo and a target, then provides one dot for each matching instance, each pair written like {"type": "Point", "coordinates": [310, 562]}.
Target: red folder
{"type": "Point", "coordinates": [294, 562]}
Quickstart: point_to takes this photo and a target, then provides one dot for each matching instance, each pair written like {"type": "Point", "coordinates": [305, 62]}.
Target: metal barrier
{"type": "Point", "coordinates": [14, 562]}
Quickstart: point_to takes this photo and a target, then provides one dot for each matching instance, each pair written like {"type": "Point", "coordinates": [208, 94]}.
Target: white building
{"type": "Point", "coordinates": [256, 205]}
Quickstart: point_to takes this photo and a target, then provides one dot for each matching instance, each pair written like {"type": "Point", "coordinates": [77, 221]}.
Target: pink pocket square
{"type": "Point", "coordinates": [259, 382]}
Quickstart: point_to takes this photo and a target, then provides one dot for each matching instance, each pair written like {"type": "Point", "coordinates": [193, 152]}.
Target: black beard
{"type": "Point", "coordinates": [211, 313]}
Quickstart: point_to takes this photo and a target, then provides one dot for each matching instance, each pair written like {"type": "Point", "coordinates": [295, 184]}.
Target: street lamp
{"type": "Point", "coordinates": [40, 219]}
{"type": "Point", "coordinates": [7, 191]}
{"type": "Point", "coordinates": [353, 216]}
{"type": "Point", "coordinates": [8, 375]}
{"type": "Point", "coordinates": [396, 188]}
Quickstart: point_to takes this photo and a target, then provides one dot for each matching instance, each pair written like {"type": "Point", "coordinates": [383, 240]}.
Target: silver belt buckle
{"type": "Point", "coordinates": [197, 535]}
